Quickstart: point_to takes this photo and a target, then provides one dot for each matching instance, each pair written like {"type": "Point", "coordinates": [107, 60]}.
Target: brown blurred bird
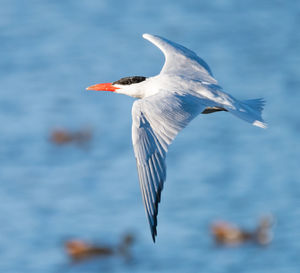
{"type": "Point", "coordinates": [229, 234]}
{"type": "Point", "coordinates": [80, 250]}
{"type": "Point", "coordinates": [63, 136]}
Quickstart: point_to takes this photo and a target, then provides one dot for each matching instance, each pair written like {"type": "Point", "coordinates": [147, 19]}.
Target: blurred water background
{"type": "Point", "coordinates": [219, 167]}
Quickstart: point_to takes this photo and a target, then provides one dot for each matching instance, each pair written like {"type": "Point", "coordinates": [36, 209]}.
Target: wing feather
{"type": "Point", "coordinates": [156, 122]}
{"type": "Point", "coordinates": [181, 61]}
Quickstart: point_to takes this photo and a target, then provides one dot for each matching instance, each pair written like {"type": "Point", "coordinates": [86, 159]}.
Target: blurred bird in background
{"type": "Point", "coordinates": [62, 136]}
{"type": "Point", "coordinates": [226, 233]}
{"type": "Point", "coordinates": [79, 250]}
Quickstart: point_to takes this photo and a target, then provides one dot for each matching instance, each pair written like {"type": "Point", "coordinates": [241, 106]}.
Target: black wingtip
{"type": "Point", "coordinates": [154, 225]}
{"type": "Point", "coordinates": [153, 233]}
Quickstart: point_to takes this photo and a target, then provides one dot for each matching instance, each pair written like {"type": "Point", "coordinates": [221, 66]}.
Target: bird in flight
{"type": "Point", "coordinates": [165, 104]}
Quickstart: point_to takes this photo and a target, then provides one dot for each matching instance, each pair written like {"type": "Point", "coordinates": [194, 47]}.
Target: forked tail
{"type": "Point", "coordinates": [250, 111]}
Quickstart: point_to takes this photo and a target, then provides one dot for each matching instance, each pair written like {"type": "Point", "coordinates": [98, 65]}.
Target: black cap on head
{"type": "Point", "coordinates": [130, 80]}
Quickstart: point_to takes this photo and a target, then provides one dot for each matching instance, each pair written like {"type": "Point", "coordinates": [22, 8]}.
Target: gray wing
{"type": "Point", "coordinates": [156, 122]}
{"type": "Point", "coordinates": [181, 61]}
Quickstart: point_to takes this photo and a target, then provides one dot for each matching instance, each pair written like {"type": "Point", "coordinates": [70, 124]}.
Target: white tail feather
{"type": "Point", "coordinates": [250, 111]}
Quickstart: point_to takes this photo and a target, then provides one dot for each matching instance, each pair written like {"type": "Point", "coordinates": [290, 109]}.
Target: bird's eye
{"type": "Point", "coordinates": [130, 80]}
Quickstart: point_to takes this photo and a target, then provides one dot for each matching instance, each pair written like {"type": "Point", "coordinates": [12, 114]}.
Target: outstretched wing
{"type": "Point", "coordinates": [156, 121]}
{"type": "Point", "coordinates": [181, 61]}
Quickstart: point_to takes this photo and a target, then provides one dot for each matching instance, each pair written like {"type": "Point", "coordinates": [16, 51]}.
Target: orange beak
{"type": "Point", "coordinates": [102, 87]}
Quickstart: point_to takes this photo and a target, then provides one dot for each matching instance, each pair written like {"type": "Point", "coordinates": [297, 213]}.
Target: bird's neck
{"type": "Point", "coordinates": [132, 91]}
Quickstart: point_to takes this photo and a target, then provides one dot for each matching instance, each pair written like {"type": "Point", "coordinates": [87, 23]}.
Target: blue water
{"type": "Point", "coordinates": [218, 168]}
